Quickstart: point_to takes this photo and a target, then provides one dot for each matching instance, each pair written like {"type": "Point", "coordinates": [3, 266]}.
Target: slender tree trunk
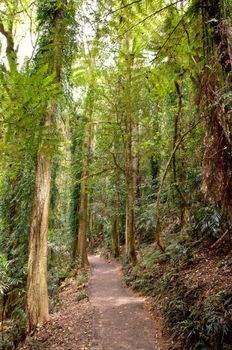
{"type": "Point", "coordinates": [130, 224]}
{"type": "Point", "coordinates": [83, 222]}
{"type": "Point", "coordinates": [91, 220]}
{"type": "Point", "coordinates": [136, 163]}
{"type": "Point", "coordinates": [130, 197]}
{"type": "Point", "coordinates": [115, 227]}
{"type": "Point", "coordinates": [184, 204]}
{"type": "Point", "coordinates": [83, 211]}
{"type": "Point", "coordinates": [87, 149]}
{"type": "Point", "coordinates": [77, 141]}
{"type": "Point", "coordinates": [131, 180]}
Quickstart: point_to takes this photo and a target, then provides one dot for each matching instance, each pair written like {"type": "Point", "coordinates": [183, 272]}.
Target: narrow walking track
{"type": "Point", "coordinates": [120, 320]}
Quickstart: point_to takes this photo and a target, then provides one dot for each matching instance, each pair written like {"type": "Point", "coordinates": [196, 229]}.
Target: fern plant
{"type": "Point", "coordinates": [206, 221]}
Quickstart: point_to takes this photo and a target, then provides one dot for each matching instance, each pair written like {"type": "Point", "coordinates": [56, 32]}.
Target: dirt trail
{"type": "Point", "coordinates": [114, 319]}
{"type": "Point", "coordinates": [120, 320]}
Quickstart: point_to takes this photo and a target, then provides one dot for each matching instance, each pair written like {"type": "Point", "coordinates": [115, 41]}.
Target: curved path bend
{"type": "Point", "coordinates": [120, 319]}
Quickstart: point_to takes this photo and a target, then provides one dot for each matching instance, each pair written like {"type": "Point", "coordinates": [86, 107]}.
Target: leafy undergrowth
{"type": "Point", "coordinates": [193, 287]}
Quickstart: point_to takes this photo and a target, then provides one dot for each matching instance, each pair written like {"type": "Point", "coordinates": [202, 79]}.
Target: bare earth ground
{"type": "Point", "coordinates": [114, 318]}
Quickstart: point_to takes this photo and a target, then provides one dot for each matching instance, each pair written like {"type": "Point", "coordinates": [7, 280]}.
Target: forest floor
{"type": "Point", "coordinates": [111, 317]}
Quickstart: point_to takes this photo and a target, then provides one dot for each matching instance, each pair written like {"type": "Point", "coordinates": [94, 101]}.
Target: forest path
{"type": "Point", "coordinates": [120, 320]}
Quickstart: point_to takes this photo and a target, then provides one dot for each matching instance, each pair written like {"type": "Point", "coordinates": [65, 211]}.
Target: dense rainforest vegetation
{"type": "Point", "coordinates": [116, 134]}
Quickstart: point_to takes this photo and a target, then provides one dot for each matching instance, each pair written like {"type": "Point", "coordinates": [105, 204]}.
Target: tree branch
{"type": "Point", "coordinates": [123, 7]}
{"type": "Point", "coordinates": [10, 52]}
{"type": "Point", "coordinates": [93, 175]}
{"type": "Point", "coordinates": [116, 163]}
{"type": "Point", "coordinates": [167, 40]}
{"type": "Point", "coordinates": [157, 213]}
{"type": "Point", "coordinates": [2, 30]}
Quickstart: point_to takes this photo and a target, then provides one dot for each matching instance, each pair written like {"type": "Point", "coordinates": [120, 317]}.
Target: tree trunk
{"type": "Point", "coordinates": [37, 288]}
{"type": "Point", "coordinates": [86, 151]}
{"type": "Point", "coordinates": [83, 220]}
{"type": "Point", "coordinates": [131, 180]}
{"type": "Point", "coordinates": [91, 220]}
{"type": "Point", "coordinates": [83, 212]}
{"type": "Point", "coordinates": [37, 291]}
{"type": "Point", "coordinates": [130, 224]}
{"type": "Point", "coordinates": [217, 162]}
{"type": "Point", "coordinates": [184, 203]}
{"type": "Point", "coordinates": [115, 228]}
{"type": "Point", "coordinates": [130, 197]}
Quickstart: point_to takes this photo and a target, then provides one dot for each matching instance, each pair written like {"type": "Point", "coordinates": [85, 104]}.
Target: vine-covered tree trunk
{"type": "Point", "coordinates": [77, 142]}
{"type": "Point", "coordinates": [217, 81]}
{"type": "Point", "coordinates": [37, 289]}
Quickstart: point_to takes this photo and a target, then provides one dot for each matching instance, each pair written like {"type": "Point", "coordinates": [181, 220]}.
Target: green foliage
{"type": "Point", "coordinates": [129, 67]}
{"type": "Point", "coordinates": [25, 98]}
{"type": "Point", "coordinates": [61, 14]}
{"type": "Point", "coordinates": [179, 251]}
{"type": "Point", "coordinates": [199, 324]}
{"type": "Point", "coordinates": [144, 276]}
{"type": "Point", "coordinates": [4, 278]}
{"type": "Point", "coordinates": [59, 250]}
{"type": "Point", "coordinates": [207, 221]}
{"type": "Point", "coordinates": [145, 223]}
{"type": "Point", "coordinates": [151, 275]}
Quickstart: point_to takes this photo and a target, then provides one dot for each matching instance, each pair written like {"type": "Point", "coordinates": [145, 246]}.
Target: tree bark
{"type": "Point", "coordinates": [217, 81]}
{"type": "Point", "coordinates": [130, 195]}
{"type": "Point", "coordinates": [83, 211]}
{"type": "Point", "coordinates": [130, 222]}
{"type": "Point", "coordinates": [184, 203]}
{"type": "Point", "coordinates": [115, 227]}
{"type": "Point", "coordinates": [131, 180]}
{"type": "Point", "coordinates": [37, 289]}
{"type": "Point", "coordinates": [130, 199]}
{"type": "Point", "coordinates": [82, 239]}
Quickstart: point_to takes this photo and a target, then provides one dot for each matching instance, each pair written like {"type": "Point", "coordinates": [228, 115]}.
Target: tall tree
{"type": "Point", "coordinates": [216, 84]}
{"type": "Point", "coordinates": [52, 45]}
{"type": "Point", "coordinates": [86, 158]}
